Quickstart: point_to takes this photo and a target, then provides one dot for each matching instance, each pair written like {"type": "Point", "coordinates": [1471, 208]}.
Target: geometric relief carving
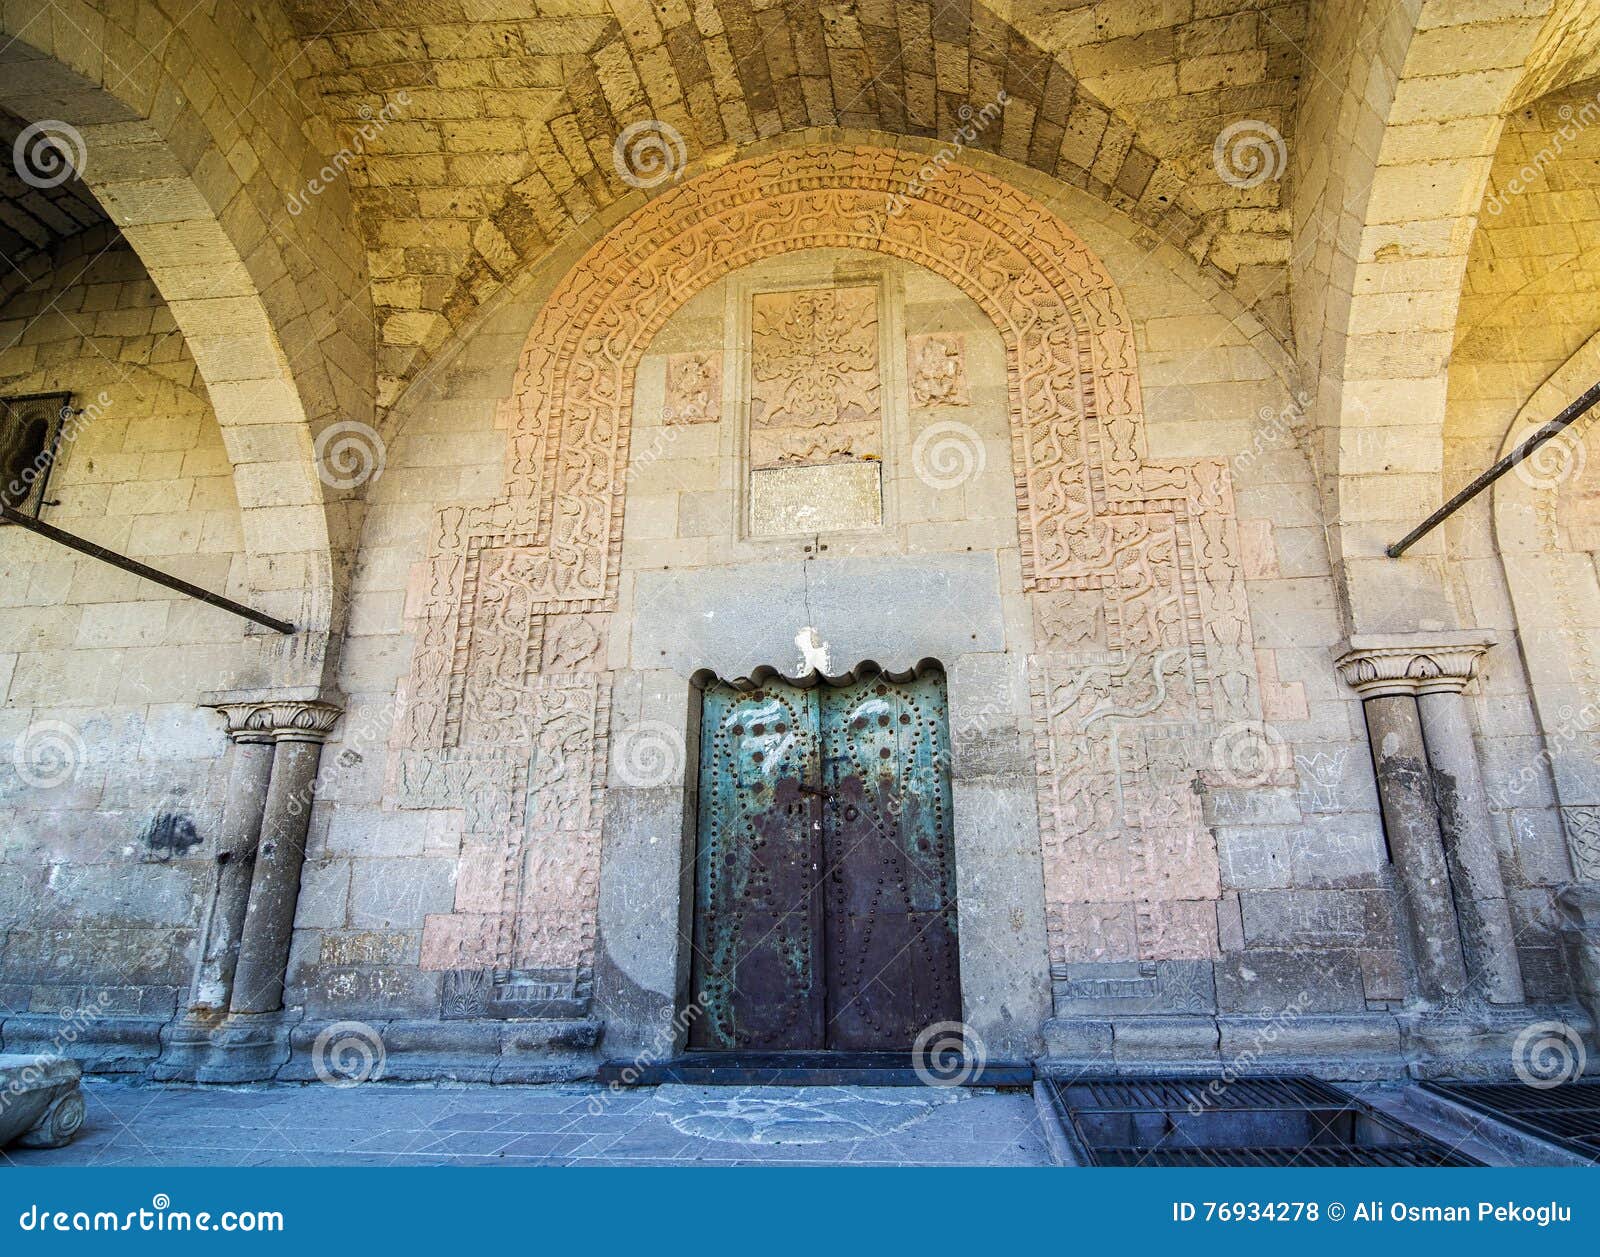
{"type": "Point", "coordinates": [937, 369]}
{"type": "Point", "coordinates": [1142, 631]}
{"type": "Point", "coordinates": [694, 388]}
{"type": "Point", "coordinates": [814, 383]}
{"type": "Point", "coordinates": [1582, 825]}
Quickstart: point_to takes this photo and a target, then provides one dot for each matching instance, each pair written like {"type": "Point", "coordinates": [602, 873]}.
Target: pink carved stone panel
{"type": "Point", "coordinates": [936, 368]}
{"type": "Point", "coordinates": [815, 389]}
{"type": "Point", "coordinates": [459, 940]}
{"type": "Point", "coordinates": [1099, 932]}
{"type": "Point", "coordinates": [1143, 653]}
{"type": "Point", "coordinates": [1182, 929]}
{"type": "Point", "coordinates": [694, 388]}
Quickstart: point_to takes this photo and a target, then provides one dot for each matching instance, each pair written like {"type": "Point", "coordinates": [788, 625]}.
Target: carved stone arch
{"type": "Point", "coordinates": [1383, 231]}
{"type": "Point", "coordinates": [1547, 531]}
{"type": "Point", "coordinates": [263, 326]}
{"type": "Point", "coordinates": [1145, 550]}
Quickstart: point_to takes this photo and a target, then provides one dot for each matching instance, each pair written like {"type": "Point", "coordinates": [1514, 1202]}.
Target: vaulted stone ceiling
{"type": "Point", "coordinates": [37, 212]}
{"type": "Point", "coordinates": [505, 139]}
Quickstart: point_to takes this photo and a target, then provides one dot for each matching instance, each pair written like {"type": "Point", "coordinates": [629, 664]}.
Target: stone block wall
{"type": "Point", "coordinates": [1303, 911]}
{"type": "Point", "coordinates": [1526, 316]}
{"type": "Point", "coordinates": [112, 776]}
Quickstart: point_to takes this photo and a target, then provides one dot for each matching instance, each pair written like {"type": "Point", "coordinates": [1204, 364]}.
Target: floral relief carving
{"type": "Point", "coordinates": [936, 366]}
{"type": "Point", "coordinates": [1143, 652]}
{"type": "Point", "coordinates": [694, 388]}
{"type": "Point", "coordinates": [815, 387]}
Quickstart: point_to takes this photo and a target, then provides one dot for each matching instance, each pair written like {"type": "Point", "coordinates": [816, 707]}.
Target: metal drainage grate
{"type": "Point", "coordinates": [1249, 1122]}
{"type": "Point", "coordinates": [1568, 1114]}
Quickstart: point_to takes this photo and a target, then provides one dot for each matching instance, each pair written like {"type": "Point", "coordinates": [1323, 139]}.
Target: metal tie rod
{"type": "Point", "coordinates": [1552, 429]}
{"type": "Point", "coordinates": [84, 546]}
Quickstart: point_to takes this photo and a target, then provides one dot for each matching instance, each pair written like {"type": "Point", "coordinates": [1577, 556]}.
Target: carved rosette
{"type": "Point", "coordinates": [1412, 663]}
{"type": "Point", "coordinates": [1141, 560]}
{"type": "Point", "coordinates": [280, 720]}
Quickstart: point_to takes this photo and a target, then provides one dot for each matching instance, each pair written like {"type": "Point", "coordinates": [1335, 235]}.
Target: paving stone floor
{"type": "Point", "coordinates": [569, 1124]}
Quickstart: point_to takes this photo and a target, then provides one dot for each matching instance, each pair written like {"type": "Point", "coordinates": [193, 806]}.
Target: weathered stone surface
{"type": "Point", "coordinates": [42, 1104]}
{"type": "Point", "coordinates": [1145, 505]}
{"type": "Point", "coordinates": [830, 497]}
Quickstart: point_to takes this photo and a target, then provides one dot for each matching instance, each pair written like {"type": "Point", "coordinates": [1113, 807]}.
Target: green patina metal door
{"type": "Point", "coordinates": [825, 896]}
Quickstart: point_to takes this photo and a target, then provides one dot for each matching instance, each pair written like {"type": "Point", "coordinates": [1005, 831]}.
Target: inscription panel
{"type": "Point", "coordinates": [831, 498]}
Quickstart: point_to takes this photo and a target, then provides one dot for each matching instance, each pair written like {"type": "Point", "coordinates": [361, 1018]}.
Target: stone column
{"type": "Point", "coordinates": [298, 731]}
{"type": "Point", "coordinates": [248, 776]}
{"type": "Point", "coordinates": [1434, 808]}
{"type": "Point", "coordinates": [1480, 889]}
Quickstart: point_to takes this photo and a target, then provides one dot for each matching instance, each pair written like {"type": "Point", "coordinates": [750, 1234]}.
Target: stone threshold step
{"type": "Point", "coordinates": [812, 1069]}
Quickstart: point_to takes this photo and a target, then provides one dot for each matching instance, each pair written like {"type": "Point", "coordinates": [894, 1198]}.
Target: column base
{"type": "Point", "coordinates": [1484, 1041]}
{"type": "Point", "coordinates": [225, 1047]}
{"type": "Point", "coordinates": [106, 1045]}
{"type": "Point", "coordinates": [1579, 904]}
{"type": "Point", "coordinates": [562, 1050]}
{"type": "Point", "coordinates": [1332, 1045]}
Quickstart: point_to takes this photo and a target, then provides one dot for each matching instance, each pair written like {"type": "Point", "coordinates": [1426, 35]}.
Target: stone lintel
{"type": "Point", "coordinates": [280, 719]}
{"type": "Point", "coordinates": [1381, 665]}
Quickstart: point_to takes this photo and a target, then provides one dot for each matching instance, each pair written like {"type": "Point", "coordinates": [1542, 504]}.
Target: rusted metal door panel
{"type": "Point", "coordinates": [892, 965]}
{"type": "Point", "coordinates": [825, 888]}
{"type": "Point", "coordinates": [758, 914]}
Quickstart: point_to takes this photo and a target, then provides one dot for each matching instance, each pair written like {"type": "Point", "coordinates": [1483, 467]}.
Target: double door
{"type": "Point", "coordinates": [825, 887]}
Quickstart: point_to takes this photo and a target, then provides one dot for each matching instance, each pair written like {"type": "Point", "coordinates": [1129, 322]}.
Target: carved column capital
{"type": "Point", "coordinates": [1383, 665]}
{"type": "Point", "coordinates": [280, 720]}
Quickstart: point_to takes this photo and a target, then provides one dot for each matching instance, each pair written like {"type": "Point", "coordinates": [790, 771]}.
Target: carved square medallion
{"type": "Point", "coordinates": [694, 388]}
{"type": "Point", "coordinates": [815, 387]}
{"type": "Point", "coordinates": [936, 366]}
